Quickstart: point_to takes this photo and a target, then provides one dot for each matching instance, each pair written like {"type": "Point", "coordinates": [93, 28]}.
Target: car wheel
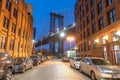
{"type": "Point", "coordinates": [80, 69]}
{"type": "Point", "coordinates": [8, 75]}
{"type": "Point", "coordinates": [24, 69]}
{"type": "Point", "coordinates": [93, 77]}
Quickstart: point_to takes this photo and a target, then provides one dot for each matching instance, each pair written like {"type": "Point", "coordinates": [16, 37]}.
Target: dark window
{"type": "Point", "coordinates": [88, 19]}
{"type": "Point", "coordinates": [109, 2]}
{"type": "Point", "coordinates": [0, 4]}
{"type": "Point", "coordinates": [2, 42]}
{"type": "Point", "coordinates": [88, 32]}
{"type": "Point", "coordinates": [8, 4]}
{"type": "Point", "coordinates": [99, 7]}
{"type": "Point", "coordinates": [92, 2]}
{"type": "Point", "coordinates": [19, 32]}
{"type": "Point", "coordinates": [84, 34]}
{"type": "Point", "coordinates": [6, 22]}
{"type": "Point", "coordinates": [83, 13]}
{"type": "Point", "coordinates": [101, 23]}
{"type": "Point", "coordinates": [11, 44]}
{"type": "Point", "coordinates": [84, 24]}
{"type": "Point", "coordinates": [93, 28]}
{"type": "Point", "coordinates": [87, 8]}
{"type": "Point", "coordinates": [85, 46]}
{"type": "Point", "coordinates": [81, 36]}
{"type": "Point", "coordinates": [15, 13]}
{"type": "Point", "coordinates": [13, 28]}
{"type": "Point", "coordinates": [93, 14]}
{"type": "Point", "coordinates": [111, 16]}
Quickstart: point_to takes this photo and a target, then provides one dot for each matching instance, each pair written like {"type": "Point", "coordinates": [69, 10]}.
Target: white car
{"type": "Point", "coordinates": [99, 69]}
{"type": "Point", "coordinates": [75, 62]}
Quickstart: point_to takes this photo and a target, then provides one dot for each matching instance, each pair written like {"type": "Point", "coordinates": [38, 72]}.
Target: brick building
{"type": "Point", "coordinates": [16, 25]}
{"type": "Point", "coordinates": [98, 29]}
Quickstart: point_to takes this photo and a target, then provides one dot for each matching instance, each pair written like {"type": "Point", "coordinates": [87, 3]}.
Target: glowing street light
{"type": "Point", "coordinates": [62, 34]}
{"type": "Point", "coordinates": [70, 39]}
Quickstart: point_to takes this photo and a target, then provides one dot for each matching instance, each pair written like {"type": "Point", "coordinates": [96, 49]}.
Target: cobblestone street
{"type": "Point", "coordinates": [51, 70]}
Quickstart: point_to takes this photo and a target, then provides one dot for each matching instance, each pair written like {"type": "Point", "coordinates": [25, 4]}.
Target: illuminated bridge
{"type": "Point", "coordinates": [56, 36]}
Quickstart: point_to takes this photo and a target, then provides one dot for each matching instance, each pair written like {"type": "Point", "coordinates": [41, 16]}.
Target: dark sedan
{"type": "Point", "coordinates": [36, 59]}
{"type": "Point", "coordinates": [22, 64]}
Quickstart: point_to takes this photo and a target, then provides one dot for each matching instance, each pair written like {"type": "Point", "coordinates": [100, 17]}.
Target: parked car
{"type": "Point", "coordinates": [6, 66]}
{"type": "Point", "coordinates": [43, 58]}
{"type": "Point", "coordinates": [22, 64]}
{"type": "Point", "coordinates": [98, 68]}
{"type": "Point", "coordinates": [75, 62]}
{"type": "Point", "coordinates": [65, 59]}
{"type": "Point", "coordinates": [36, 59]}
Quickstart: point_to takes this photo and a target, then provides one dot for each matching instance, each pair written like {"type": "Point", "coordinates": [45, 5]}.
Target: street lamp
{"type": "Point", "coordinates": [70, 39]}
{"type": "Point", "coordinates": [33, 46]}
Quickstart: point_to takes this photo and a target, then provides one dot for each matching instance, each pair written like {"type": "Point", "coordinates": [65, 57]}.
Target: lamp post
{"type": "Point", "coordinates": [70, 39]}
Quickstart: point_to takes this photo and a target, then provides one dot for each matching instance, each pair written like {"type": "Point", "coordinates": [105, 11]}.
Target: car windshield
{"type": "Point", "coordinates": [19, 60]}
{"type": "Point", "coordinates": [99, 62]}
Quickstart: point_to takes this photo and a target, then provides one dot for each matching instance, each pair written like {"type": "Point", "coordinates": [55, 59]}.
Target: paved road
{"type": "Point", "coordinates": [51, 70]}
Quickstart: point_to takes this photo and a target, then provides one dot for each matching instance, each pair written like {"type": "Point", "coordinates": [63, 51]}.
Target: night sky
{"type": "Point", "coordinates": [41, 12]}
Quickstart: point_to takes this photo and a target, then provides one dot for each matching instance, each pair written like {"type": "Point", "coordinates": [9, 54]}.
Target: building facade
{"type": "Point", "coordinates": [16, 25]}
{"type": "Point", "coordinates": [98, 29]}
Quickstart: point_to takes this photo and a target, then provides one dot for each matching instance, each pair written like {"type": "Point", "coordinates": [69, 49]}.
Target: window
{"type": "Point", "coordinates": [6, 22]}
{"type": "Point", "coordinates": [13, 28]}
{"type": "Point", "coordinates": [92, 2]}
{"type": "Point", "coordinates": [2, 42]}
{"type": "Point", "coordinates": [93, 14]}
{"type": "Point", "coordinates": [16, 1]}
{"type": "Point", "coordinates": [99, 7]}
{"type": "Point", "coordinates": [93, 28]}
{"type": "Point", "coordinates": [101, 23]}
{"type": "Point", "coordinates": [19, 32]}
{"type": "Point", "coordinates": [84, 34]}
{"type": "Point", "coordinates": [8, 4]}
{"type": "Point", "coordinates": [83, 13]}
{"type": "Point", "coordinates": [84, 24]}
{"type": "Point", "coordinates": [0, 4]}
{"type": "Point", "coordinates": [11, 44]}
{"type": "Point", "coordinates": [88, 32]}
{"type": "Point", "coordinates": [15, 13]}
{"type": "Point", "coordinates": [111, 16]}
{"type": "Point", "coordinates": [109, 2]}
{"type": "Point", "coordinates": [88, 19]}
{"type": "Point", "coordinates": [87, 8]}
{"type": "Point", "coordinates": [85, 46]}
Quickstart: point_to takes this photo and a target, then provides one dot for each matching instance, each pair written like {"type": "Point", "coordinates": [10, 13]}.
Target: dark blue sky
{"type": "Point", "coordinates": [41, 11]}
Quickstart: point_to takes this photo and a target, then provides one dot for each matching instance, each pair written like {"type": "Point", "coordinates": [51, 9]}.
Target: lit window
{"type": "Point", "coordinates": [11, 44]}
{"type": "Point", "coordinates": [13, 28]}
{"type": "Point", "coordinates": [2, 42]}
